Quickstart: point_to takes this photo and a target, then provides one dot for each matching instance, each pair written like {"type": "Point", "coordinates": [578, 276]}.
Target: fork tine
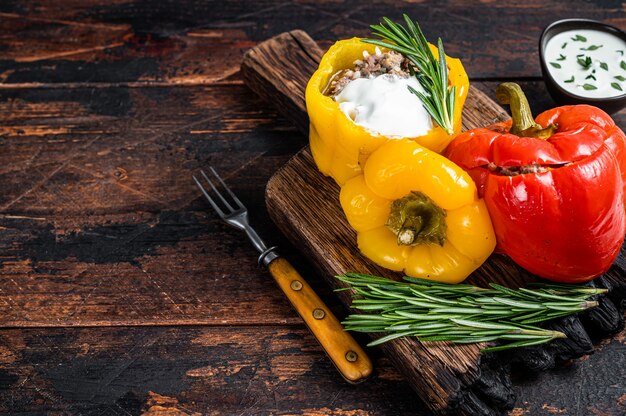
{"type": "Point", "coordinates": [208, 197]}
{"type": "Point", "coordinates": [241, 205]}
{"type": "Point", "coordinates": [224, 201]}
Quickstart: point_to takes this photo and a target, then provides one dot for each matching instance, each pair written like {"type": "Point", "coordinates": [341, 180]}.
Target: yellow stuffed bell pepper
{"type": "Point", "coordinates": [339, 146]}
{"type": "Point", "coordinates": [416, 211]}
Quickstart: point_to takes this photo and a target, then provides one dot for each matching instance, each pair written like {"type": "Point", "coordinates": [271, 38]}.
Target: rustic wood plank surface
{"type": "Point", "coordinates": [106, 109]}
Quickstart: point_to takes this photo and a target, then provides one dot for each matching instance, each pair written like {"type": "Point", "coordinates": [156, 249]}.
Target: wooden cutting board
{"type": "Point", "coordinates": [305, 206]}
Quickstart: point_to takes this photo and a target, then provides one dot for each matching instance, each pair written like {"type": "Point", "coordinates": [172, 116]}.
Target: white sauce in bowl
{"type": "Point", "coordinates": [588, 63]}
{"type": "Point", "coordinates": [384, 105]}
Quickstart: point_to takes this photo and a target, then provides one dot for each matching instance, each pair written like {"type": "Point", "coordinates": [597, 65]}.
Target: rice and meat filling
{"type": "Point", "coordinates": [380, 63]}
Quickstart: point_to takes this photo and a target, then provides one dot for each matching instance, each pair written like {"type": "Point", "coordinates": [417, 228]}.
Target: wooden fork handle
{"type": "Point", "coordinates": [347, 355]}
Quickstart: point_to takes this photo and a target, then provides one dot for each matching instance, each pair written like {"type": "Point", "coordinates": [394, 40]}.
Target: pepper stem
{"type": "Point", "coordinates": [417, 219]}
{"type": "Point", "coordinates": [524, 124]}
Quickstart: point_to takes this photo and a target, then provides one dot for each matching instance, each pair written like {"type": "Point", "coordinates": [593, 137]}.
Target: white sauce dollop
{"type": "Point", "coordinates": [603, 55]}
{"type": "Point", "coordinates": [384, 105]}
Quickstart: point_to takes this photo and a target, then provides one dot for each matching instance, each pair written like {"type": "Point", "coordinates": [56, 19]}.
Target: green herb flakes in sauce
{"type": "Point", "coordinates": [594, 58]}
{"type": "Point", "coordinates": [585, 62]}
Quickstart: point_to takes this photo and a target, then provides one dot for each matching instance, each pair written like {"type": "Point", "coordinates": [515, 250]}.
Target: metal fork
{"type": "Point", "coordinates": [347, 355]}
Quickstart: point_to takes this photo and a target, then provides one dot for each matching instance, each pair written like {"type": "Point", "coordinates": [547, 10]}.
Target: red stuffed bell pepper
{"type": "Point", "coordinates": [554, 188]}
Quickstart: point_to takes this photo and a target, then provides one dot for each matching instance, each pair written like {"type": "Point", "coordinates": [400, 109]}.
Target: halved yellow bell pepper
{"type": "Point", "coordinates": [416, 211]}
{"type": "Point", "coordinates": [339, 146]}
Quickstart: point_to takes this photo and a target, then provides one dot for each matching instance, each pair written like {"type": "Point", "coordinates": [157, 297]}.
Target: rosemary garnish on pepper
{"type": "Point", "coordinates": [432, 74]}
{"type": "Point", "coordinates": [462, 314]}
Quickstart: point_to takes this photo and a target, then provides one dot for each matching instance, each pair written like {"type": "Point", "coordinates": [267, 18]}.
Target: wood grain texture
{"type": "Point", "coordinates": [304, 204]}
{"type": "Point", "coordinates": [150, 42]}
{"type": "Point", "coordinates": [290, 71]}
{"type": "Point", "coordinates": [102, 225]}
{"type": "Point", "coordinates": [106, 109]}
{"type": "Point", "coordinates": [260, 370]}
{"type": "Point", "coordinates": [272, 369]}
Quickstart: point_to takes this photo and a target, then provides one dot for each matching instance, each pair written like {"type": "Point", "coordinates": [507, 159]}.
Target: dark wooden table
{"type": "Point", "coordinates": [120, 293]}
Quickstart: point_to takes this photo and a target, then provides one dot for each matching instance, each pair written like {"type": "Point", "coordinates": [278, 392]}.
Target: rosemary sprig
{"type": "Point", "coordinates": [462, 314]}
{"type": "Point", "coordinates": [432, 74]}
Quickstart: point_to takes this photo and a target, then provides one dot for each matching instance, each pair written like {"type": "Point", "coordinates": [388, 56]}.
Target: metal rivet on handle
{"type": "Point", "coordinates": [296, 285]}
{"type": "Point", "coordinates": [318, 313]}
{"type": "Point", "coordinates": [351, 356]}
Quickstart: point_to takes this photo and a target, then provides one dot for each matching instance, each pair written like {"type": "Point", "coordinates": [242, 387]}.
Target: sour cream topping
{"type": "Point", "coordinates": [384, 105]}
{"type": "Point", "coordinates": [588, 63]}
